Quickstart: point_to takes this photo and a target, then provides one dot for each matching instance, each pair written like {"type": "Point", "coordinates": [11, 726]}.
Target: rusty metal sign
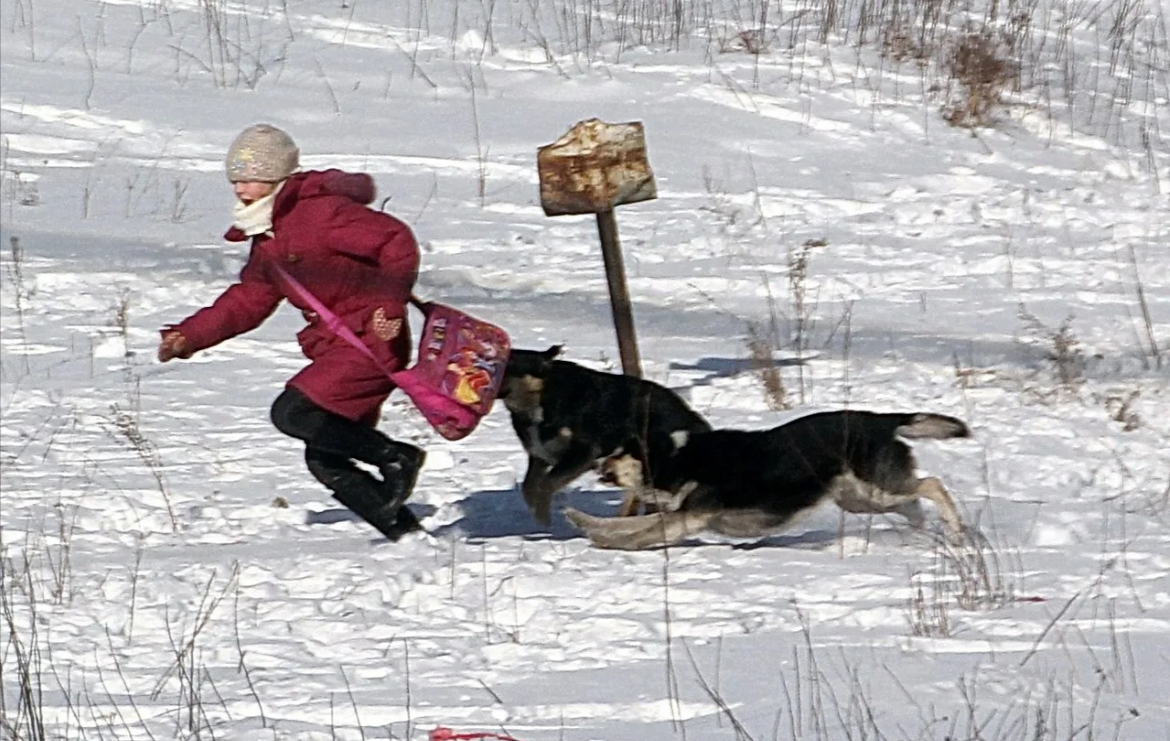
{"type": "Point", "coordinates": [590, 170]}
{"type": "Point", "coordinates": [594, 167]}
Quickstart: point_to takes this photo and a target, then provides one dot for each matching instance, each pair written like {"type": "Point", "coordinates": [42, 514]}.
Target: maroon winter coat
{"type": "Point", "coordinates": [359, 262]}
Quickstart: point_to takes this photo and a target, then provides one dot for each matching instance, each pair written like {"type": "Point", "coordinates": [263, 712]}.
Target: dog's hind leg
{"type": "Point", "coordinates": [640, 531]}
{"type": "Point", "coordinates": [912, 511]}
{"type": "Point", "coordinates": [932, 488]}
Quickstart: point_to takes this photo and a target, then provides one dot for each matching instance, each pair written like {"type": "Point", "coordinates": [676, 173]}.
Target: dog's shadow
{"type": "Point", "coordinates": [813, 540]}
{"type": "Point", "coordinates": [502, 513]}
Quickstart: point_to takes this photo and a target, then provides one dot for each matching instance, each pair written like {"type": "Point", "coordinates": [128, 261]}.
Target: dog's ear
{"type": "Point", "coordinates": [553, 352]}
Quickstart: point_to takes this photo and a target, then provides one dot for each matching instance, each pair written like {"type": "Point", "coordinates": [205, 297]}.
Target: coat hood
{"type": "Point", "coordinates": [356, 186]}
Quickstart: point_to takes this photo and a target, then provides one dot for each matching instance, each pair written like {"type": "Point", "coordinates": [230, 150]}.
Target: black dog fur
{"type": "Point", "coordinates": [752, 483]}
{"type": "Point", "coordinates": [569, 418]}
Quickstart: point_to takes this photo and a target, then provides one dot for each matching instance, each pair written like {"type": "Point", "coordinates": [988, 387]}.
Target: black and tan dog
{"type": "Point", "coordinates": [753, 483]}
{"type": "Point", "coordinates": [569, 418]}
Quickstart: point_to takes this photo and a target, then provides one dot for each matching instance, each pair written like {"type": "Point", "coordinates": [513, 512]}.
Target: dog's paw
{"type": "Point", "coordinates": [539, 501]}
{"type": "Point", "coordinates": [542, 512]}
{"type": "Point", "coordinates": [964, 536]}
{"type": "Point", "coordinates": [969, 535]}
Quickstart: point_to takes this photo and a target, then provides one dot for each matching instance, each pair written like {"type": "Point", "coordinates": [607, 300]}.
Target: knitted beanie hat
{"type": "Point", "coordinates": [262, 153]}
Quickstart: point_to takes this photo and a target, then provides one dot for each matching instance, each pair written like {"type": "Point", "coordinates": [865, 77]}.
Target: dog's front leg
{"type": "Point", "coordinates": [576, 460]}
{"type": "Point", "coordinates": [632, 499]}
{"type": "Point", "coordinates": [535, 479]}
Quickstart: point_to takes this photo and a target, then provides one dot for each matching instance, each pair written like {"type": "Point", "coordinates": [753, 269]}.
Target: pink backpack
{"type": "Point", "coordinates": [460, 366]}
{"type": "Point", "coordinates": [459, 369]}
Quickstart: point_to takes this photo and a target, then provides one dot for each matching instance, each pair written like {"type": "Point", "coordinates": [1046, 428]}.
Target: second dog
{"type": "Point", "coordinates": [752, 483]}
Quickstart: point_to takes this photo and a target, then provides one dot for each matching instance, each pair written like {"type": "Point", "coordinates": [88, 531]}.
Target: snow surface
{"type": "Point", "coordinates": [170, 569]}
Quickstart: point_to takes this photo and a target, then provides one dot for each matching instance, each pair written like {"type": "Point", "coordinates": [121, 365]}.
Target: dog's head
{"type": "Point", "coordinates": [622, 469]}
{"type": "Point", "coordinates": [626, 466]}
{"type": "Point", "coordinates": [524, 377]}
{"type": "Point", "coordinates": [533, 363]}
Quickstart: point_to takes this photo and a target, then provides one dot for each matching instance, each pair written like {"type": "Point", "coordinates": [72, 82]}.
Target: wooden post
{"type": "Point", "coordinates": [619, 294]}
{"type": "Point", "coordinates": [591, 169]}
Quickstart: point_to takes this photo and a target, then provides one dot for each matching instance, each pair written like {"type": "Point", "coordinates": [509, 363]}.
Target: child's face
{"type": "Point", "coordinates": [251, 191]}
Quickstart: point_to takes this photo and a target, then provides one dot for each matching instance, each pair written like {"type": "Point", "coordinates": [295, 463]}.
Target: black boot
{"type": "Point", "coordinates": [334, 442]}
{"type": "Point", "coordinates": [399, 468]}
{"type": "Point", "coordinates": [361, 493]}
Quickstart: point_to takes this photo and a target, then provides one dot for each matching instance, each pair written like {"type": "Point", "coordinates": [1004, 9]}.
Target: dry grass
{"type": "Point", "coordinates": [975, 62]}
{"type": "Point", "coordinates": [762, 359]}
{"type": "Point", "coordinates": [971, 575]}
{"type": "Point", "coordinates": [1059, 348]}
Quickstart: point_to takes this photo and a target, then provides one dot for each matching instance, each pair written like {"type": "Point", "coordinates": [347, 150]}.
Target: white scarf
{"type": "Point", "coordinates": [255, 217]}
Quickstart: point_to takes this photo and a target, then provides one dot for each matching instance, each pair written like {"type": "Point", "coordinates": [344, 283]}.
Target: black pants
{"type": "Point", "coordinates": [333, 443]}
{"type": "Point", "coordinates": [328, 435]}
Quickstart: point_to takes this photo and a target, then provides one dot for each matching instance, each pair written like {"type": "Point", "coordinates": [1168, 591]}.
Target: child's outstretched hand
{"type": "Point", "coordinates": [173, 345]}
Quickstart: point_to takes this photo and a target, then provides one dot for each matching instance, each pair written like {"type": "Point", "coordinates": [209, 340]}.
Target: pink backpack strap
{"type": "Point", "coordinates": [332, 321]}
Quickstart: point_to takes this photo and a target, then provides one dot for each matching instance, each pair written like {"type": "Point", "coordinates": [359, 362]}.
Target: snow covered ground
{"type": "Point", "coordinates": [170, 570]}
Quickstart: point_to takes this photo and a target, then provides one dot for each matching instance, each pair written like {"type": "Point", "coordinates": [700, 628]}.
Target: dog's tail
{"type": "Point", "coordinates": [933, 426]}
